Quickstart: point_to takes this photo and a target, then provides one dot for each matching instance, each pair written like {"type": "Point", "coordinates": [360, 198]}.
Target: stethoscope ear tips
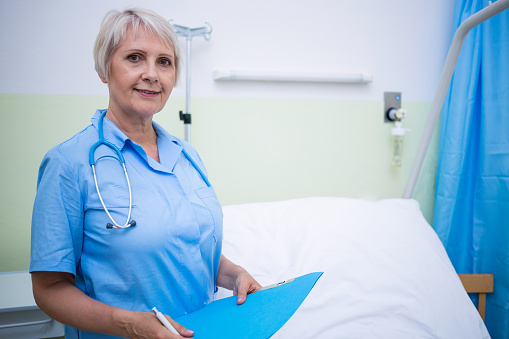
{"type": "Point", "coordinates": [133, 223]}
{"type": "Point", "coordinates": [109, 226]}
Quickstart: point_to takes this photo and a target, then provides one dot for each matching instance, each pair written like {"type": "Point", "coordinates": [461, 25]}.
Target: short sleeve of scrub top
{"type": "Point", "coordinates": [169, 260]}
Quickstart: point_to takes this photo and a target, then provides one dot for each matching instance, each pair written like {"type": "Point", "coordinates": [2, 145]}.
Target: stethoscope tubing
{"type": "Point", "coordinates": [115, 225]}
{"type": "Point", "coordinates": [103, 141]}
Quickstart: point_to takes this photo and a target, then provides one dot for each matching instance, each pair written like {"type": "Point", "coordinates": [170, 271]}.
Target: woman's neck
{"type": "Point", "coordinates": [139, 130]}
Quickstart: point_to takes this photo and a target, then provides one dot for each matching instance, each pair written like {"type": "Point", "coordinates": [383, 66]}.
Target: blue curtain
{"type": "Point", "coordinates": [472, 188]}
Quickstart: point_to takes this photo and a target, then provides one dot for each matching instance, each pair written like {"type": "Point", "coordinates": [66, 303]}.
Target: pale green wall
{"type": "Point", "coordinates": [254, 149]}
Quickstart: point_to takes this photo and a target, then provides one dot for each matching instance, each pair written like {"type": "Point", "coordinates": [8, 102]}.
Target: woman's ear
{"type": "Point", "coordinates": [103, 79]}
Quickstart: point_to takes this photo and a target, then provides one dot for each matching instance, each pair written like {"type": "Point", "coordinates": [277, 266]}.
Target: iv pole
{"type": "Point", "coordinates": [189, 33]}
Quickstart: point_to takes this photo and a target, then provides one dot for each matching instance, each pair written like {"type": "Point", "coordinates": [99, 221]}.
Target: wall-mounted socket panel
{"type": "Point", "coordinates": [391, 100]}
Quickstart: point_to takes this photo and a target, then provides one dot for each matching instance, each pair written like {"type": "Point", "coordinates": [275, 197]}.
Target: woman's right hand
{"type": "Point", "coordinates": [145, 325]}
{"type": "Point", "coordinates": [57, 296]}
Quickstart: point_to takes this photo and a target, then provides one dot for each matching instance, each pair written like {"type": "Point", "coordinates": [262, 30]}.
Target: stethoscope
{"type": "Point", "coordinates": [103, 141]}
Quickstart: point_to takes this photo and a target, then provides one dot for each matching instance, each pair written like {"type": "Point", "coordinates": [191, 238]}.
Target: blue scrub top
{"type": "Point", "coordinates": [169, 260]}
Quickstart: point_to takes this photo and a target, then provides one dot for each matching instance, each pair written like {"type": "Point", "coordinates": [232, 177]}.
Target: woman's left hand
{"type": "Point", "coordinates": [245, 284]}
{"type": "Point", "coordinates": [234, 277]}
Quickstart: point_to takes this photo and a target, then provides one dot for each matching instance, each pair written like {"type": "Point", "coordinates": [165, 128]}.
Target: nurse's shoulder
{"type": "Point", "coordinates": [70, 155]}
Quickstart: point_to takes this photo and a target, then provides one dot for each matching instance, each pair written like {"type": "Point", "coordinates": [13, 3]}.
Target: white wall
{"type": "Point", "coordinates": [47, 45]}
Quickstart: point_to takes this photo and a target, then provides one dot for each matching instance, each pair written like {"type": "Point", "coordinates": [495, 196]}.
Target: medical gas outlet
{"type": "Point", "coordinates": [398, 134]}
{"type": "Point", "coordinates": [394, 113]}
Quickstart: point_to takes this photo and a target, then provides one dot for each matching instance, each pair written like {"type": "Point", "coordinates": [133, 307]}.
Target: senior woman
{"type": "Point", "coordinates": [90, 270]}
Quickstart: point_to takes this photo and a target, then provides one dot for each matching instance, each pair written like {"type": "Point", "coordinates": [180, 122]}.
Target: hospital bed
{"type": "Point", "coordinates": [386, 273]}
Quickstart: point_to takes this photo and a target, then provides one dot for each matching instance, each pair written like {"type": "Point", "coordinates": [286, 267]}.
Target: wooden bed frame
{"type": "Point", "coordinates": [478, 283]}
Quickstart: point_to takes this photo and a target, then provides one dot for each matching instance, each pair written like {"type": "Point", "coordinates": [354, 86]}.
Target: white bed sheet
{"type": "Point", "coordinates": [386, 273]}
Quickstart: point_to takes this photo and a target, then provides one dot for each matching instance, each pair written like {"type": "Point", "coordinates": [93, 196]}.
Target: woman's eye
{"type": "Point", "coordinates": [133, 57]}
{"type": "Point", "coordinates": [165, 62]}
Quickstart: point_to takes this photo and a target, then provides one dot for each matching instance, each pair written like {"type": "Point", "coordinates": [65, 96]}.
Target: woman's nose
{"type": "Point", "coordinates": [150, 73]}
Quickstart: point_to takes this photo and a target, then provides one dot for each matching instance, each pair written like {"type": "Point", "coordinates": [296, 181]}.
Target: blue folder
{"type": "Point", "coordinates": [262, 315]}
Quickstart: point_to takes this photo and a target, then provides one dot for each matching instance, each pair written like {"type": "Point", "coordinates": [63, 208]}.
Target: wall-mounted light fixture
{"type": "Point", "coordinates": [353, 78]}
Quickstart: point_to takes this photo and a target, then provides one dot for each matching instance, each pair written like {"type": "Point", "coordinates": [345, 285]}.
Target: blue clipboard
{"type": "Point", "coordinates": [262, 315]}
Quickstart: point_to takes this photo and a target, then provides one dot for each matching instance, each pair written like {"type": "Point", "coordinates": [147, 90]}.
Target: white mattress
{"type": "Point", "coordinates": [386, 274]}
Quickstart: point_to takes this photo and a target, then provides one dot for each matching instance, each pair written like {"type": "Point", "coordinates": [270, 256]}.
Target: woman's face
{"type": "Point", "coordinates": [142, 76]}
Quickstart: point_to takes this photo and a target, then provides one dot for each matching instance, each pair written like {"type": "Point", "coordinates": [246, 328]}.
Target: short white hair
{"type": "Point", "coordinates": [113, 32]}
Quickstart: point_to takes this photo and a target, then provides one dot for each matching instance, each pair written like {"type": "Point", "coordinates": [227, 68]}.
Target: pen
{"type": "Point", "coordinates": [164, 321]}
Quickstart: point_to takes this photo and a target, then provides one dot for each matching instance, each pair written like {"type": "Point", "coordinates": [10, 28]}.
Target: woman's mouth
{"type": "Point", "coordinates": [147, 93]}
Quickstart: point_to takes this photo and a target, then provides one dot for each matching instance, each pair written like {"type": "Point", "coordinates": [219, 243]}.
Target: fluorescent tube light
{"type": "Point", "coordinates": [292, 77]}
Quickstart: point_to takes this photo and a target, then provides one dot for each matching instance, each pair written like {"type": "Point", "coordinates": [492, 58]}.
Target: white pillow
{"type": "Point", "coordinates": [386, 273]}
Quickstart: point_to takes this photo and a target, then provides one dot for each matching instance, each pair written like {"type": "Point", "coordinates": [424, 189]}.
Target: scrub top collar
{"type": "Point", "coordinates": [170, 150]}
